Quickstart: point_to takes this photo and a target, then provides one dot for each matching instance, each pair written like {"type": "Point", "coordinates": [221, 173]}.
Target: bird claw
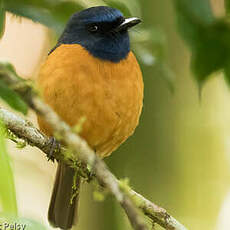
{"type": "Point", "coordinates": [54, 147]}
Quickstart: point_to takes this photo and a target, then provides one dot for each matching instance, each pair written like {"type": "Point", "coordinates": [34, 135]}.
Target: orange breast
{"type": "Point", "coordinates": [109, 95]}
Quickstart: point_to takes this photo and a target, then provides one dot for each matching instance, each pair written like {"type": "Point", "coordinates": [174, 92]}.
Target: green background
{"type": "Point", "coordinates": [178, 156]}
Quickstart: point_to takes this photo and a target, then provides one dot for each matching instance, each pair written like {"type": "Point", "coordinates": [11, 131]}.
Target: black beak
{"type": "Point", "coordinates": [128, 23]}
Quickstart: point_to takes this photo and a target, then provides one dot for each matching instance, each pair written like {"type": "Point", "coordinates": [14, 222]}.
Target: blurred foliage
{"type": "Point", "coordinates": [123, 6]}
{"type": "Point", "coordinates": [148, 43]}
{"type": "Point", "coordinates": [7, 94]}
{"type": "Point", "coordinates": [2, 18]}
{"type": "Point", "coordinates": [227, 6]}
{"type": "Point", "coordinates": [207, 37]}
{"type": "Point", "coordinates": [12, 98]}
{"type": "Point", "coordinates": [55, 13]}
{"type": "Point", "coordinates": [7, 188]}
{"type": "Point", "coordinates": [51, 13]}
{"type": "Point", "coordinates": [209, 41]}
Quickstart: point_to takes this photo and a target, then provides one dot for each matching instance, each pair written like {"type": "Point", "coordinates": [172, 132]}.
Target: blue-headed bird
{"type": "Point", "coordinates": [91, 73]}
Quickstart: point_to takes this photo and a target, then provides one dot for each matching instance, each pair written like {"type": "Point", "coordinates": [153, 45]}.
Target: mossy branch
{"type": "Point", "coordinates": [131, 201]}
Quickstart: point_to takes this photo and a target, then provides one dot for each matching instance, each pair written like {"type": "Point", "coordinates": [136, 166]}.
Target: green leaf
{"type": "Point", "coordinates": [207, 37]}
{"type": "Point", "coordinates": [2, 18]}
{"type": "Point", "coordinates": [227, 6]}
{"type": "Point", "coordinates": [192, 18]}
{"type": "Point", "coordinates": [201, 11]}
{"type": "Point", "coordinates": [12, 98]}
{"type": "Point", "coordinates": [6, 93]}
{"type": "Point", "coordinates": [53, 14]}
{"type": "Point", "coordinates": [212, 51]}
{"type": "Point", "coordinates": [227, 72]}
{"type": "Point", "coordinates": [7, 66]}
{"type": "Point", "coordinates": [7, 188]}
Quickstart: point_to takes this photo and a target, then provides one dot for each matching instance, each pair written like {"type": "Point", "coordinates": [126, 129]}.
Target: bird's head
{"type": "Point", "coordinates": [102, 30]}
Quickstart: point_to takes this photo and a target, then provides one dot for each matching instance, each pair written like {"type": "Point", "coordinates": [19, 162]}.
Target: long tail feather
{"type": "Point", "coordinates": [64, 200]}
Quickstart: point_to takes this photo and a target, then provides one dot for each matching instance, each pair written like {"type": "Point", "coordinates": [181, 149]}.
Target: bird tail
{"type": "Point", "coordinates": [64, 200]}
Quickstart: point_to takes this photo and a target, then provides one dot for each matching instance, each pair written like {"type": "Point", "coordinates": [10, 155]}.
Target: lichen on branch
{"type": "Point", "coordinates": [131, 201]}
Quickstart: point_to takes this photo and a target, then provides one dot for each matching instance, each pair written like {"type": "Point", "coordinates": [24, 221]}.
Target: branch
{"type": "Point", "coordinates": [129, 199]}
{"type": "Point", "coordinates": [75, 143]}
{"type": "Point", "coordinates": [25, 130]}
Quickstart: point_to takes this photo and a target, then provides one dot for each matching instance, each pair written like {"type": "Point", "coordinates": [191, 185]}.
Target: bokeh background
{"type": "Point", "coordinates": [179, 156]}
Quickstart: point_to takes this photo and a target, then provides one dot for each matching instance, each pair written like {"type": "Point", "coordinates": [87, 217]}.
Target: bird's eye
{"type": "Point", "coordinates": [93, 28]}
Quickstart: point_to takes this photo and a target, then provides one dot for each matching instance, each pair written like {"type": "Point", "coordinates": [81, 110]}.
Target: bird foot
{"type": "Point", "coordinates": [54, 147]}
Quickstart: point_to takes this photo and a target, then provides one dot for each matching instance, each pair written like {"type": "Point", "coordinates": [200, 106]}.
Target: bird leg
{"type": "Point", "coordinates": [54, 147]}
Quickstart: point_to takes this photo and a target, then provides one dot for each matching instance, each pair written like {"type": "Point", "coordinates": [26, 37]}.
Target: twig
{"type": "Point", "coordinates": [87, 156]}
{"type": "Point", "coordinates": [156, 213]}
{"type": "Point", "coordinates": [79, 146]}
{"type": "Point", "coordinates": [25, 130]}
{"type": "Point", "coordinates": [128, 198]}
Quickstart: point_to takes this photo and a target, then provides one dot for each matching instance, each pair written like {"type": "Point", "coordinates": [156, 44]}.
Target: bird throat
{"type": "Point", "coordinates": [110, 49]}
{"type": "Point", "coordinates": [113, 49]}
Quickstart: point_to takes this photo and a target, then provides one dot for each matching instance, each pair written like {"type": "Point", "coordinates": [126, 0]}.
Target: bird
{"type": "Point", "coordinates": [91, 72]}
